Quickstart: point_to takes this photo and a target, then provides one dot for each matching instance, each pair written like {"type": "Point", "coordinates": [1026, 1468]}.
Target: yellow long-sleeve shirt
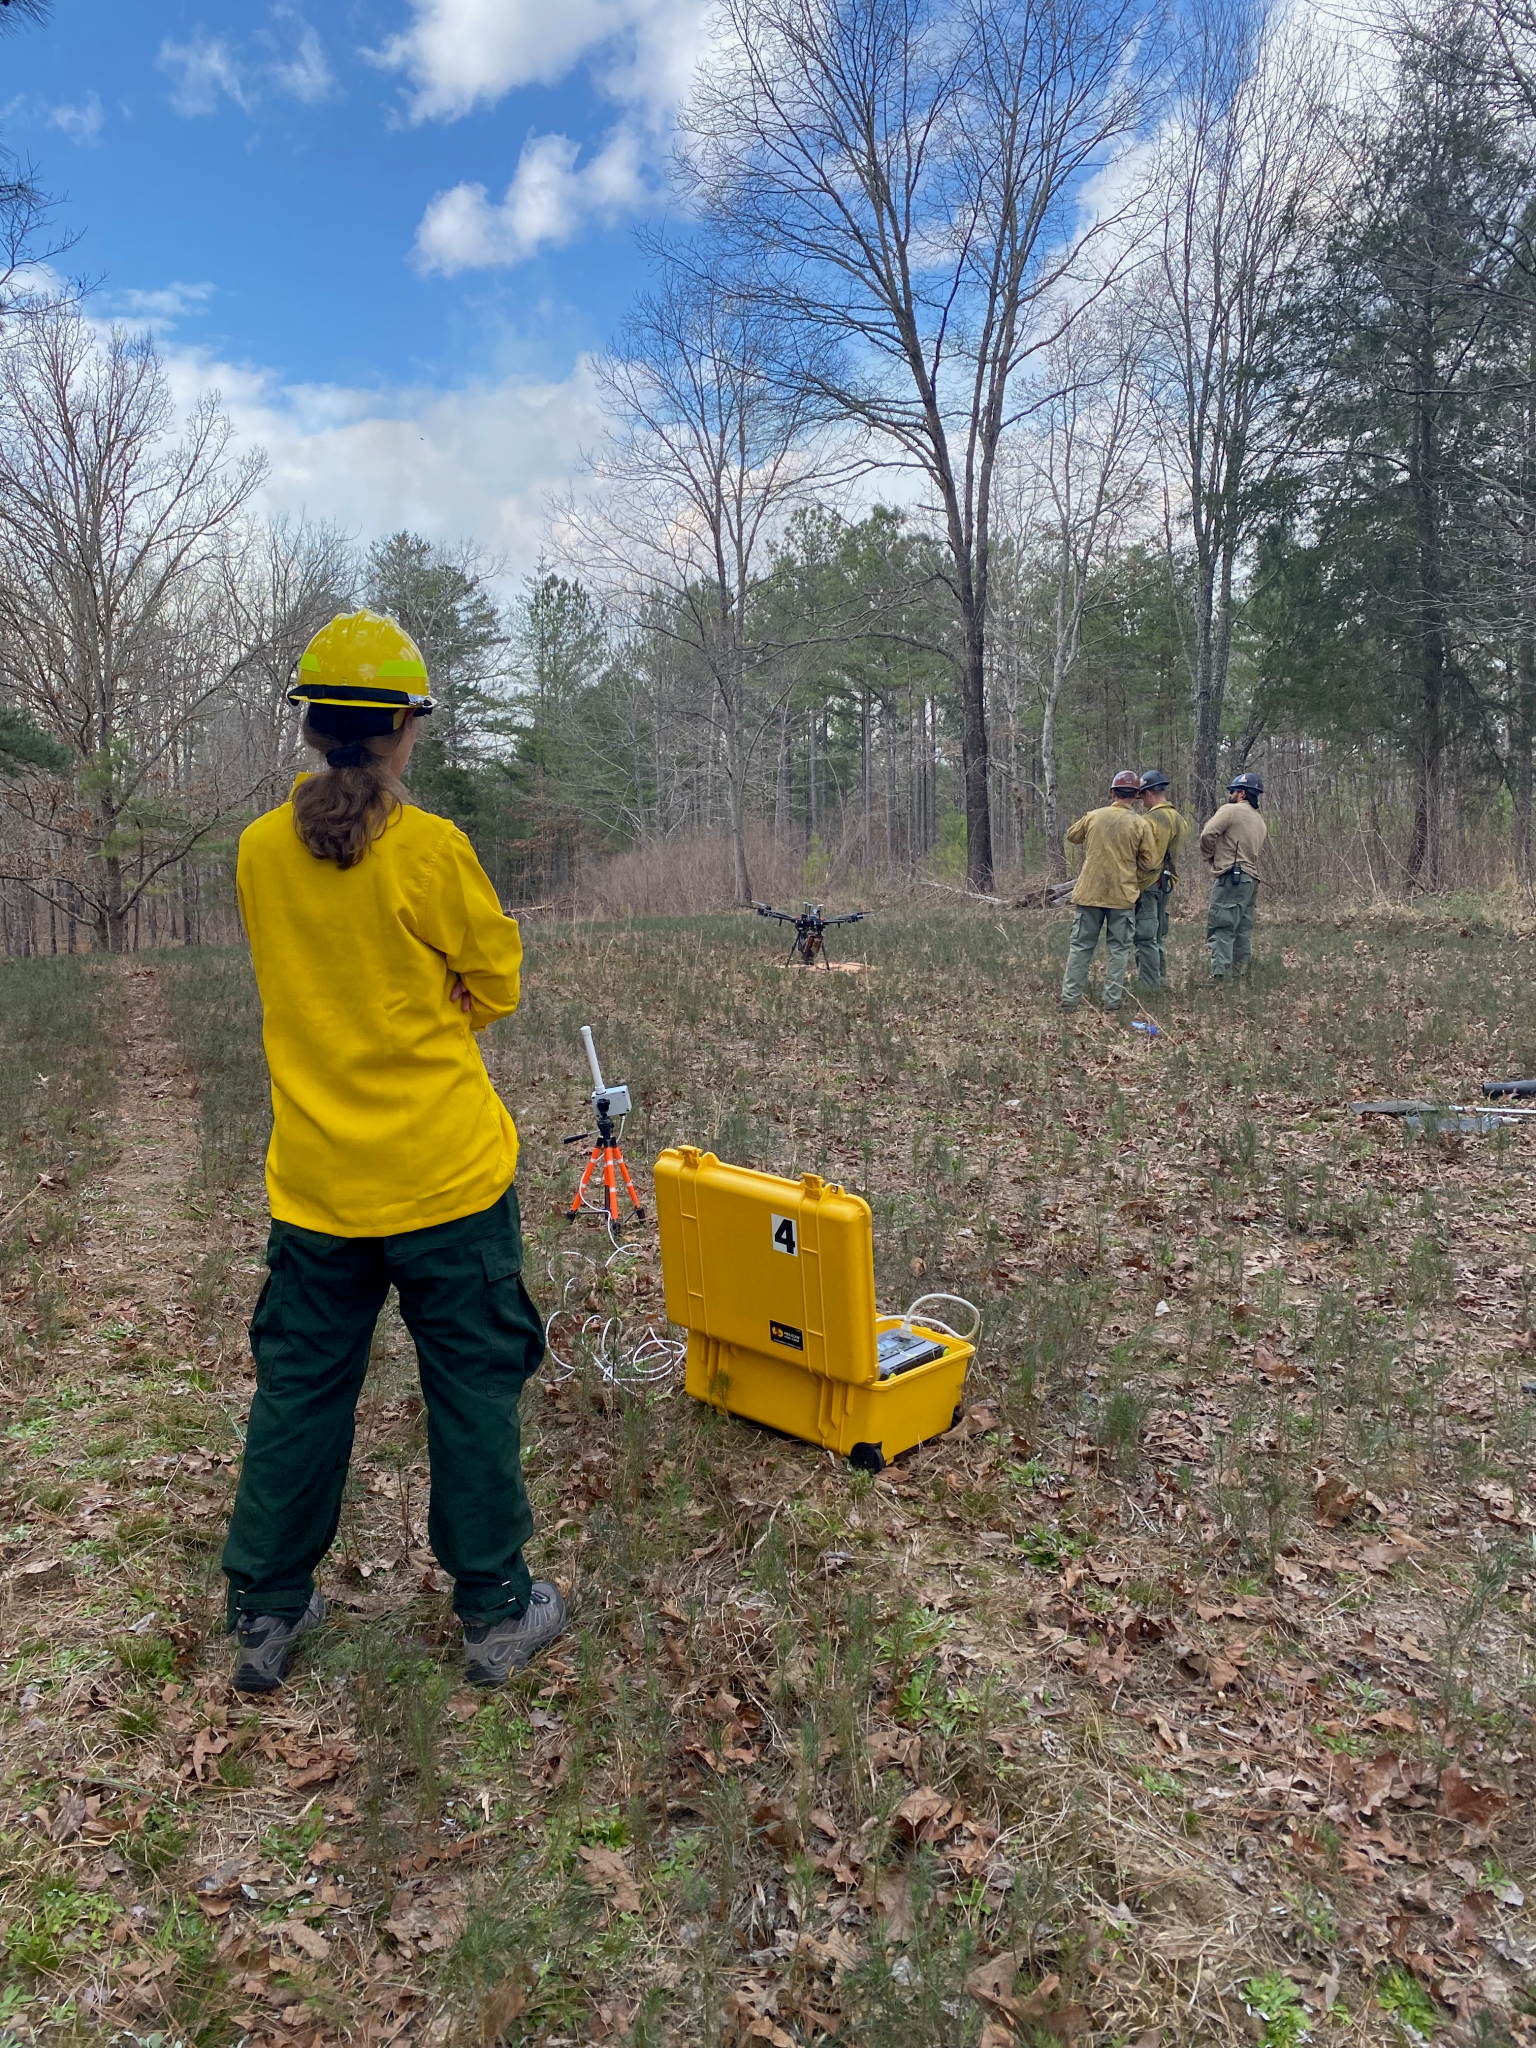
{"type": "Point", "coordinates": [383, 1116]}
{"type": "Point", "coordinates": [1116, 841]}
{"type": "Point", "coordinates": [1170, 828]}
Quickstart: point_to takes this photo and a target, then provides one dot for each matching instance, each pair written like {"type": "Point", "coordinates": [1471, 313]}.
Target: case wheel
{"type": "Point", "coordinates": [867, 1458]}
{"type": "Point", "coordinates": [954, 1420]}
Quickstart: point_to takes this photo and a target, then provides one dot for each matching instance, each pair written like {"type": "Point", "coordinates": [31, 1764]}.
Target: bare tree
{"type": "Point", "coordinates": [278, 583]}
{"type": "Point", "coordinates": [1239, 188]}
{"type": "Point", "coordinates": [905, 177]}
{"type": "Point", "coordinates": [708, 457]}
{"type": "Point", "coordinates": [1068, 485]}
{"type": "Point", "coordinates": [110, 530]}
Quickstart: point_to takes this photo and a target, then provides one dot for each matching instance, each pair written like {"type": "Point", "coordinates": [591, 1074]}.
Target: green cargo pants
{"type": "Point", "coordinates": [1119, 929]}
{"type": "Point", "coordinates": [478, 1337]}
{"type": "Point", "coordinates": [1229, 924]}
{"type": "Point", "coordinates": [1152, 936]}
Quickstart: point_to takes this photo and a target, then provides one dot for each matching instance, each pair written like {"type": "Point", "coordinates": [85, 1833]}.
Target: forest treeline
{"type": "Point", "coordinates": [1026, 389]}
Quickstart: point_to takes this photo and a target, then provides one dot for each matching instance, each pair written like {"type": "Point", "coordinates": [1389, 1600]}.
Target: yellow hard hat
{"type": "Point", "coordinates": [362, 662]}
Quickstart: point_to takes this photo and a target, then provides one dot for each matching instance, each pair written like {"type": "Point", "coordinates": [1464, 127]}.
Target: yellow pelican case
{"type": "Point", "coordinates": [774, 1281]}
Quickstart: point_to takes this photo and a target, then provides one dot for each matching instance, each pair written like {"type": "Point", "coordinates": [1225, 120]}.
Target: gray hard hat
{"type": "Point", "coordinates": [1153, 778]}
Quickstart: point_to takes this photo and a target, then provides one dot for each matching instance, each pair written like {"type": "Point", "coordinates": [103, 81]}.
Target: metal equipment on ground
{"type": "Point", "coordinates": [774, 1281]}
{"type": "Point", "coordinates": [608, 1104]}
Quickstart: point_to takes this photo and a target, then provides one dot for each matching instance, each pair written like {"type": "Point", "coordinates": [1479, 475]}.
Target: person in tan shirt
{"type": "Point", "coordinates": [1233, 844]}
{"type": "Point", "coordinates": [1117, 844]}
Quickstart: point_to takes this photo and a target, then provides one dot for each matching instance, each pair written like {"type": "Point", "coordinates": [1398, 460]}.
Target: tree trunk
{"type": "Point", "coordinates": [736, 794]}
{"type": "Point", "coordinates": [781, 790]}
{"type": "Point", "coordinates": [1207, 694]}
{"type": "Point", "coordinates": [866, 777]}
{"type": "Point", "coordinates": [1522, 739]}
{"type": "Point", "coordinates": [973, 758]}
{"type": "Point", "coordinates": [888, 733]}
{"type": "Point", "coordinates": [1425, 855]}
{"type": "Point", "coordinates": [1061, 658]}
{"type": "Point", "coordinates": [1055, 848]}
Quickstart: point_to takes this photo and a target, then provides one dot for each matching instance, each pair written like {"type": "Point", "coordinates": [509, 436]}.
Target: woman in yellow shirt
{"type": "Point", "coordinates": [380, 950]}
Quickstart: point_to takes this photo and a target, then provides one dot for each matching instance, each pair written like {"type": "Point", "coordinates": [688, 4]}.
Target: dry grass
{"type": "Point", "coordinates": [1190, 1680]}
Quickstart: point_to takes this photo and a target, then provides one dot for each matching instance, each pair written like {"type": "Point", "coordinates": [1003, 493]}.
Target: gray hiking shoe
{"type": "Point", "coordinates": [492, 1649]}
{"type": "Point", "coordinates": [267, 1644]}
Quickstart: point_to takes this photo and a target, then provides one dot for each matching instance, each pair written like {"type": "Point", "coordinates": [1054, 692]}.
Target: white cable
{"type": "Point", "coordinates": [932, 1322]}
{"type": "Point", "coordinates": [649, 1362]}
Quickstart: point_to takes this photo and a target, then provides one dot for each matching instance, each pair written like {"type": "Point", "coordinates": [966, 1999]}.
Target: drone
{"type": "Point", "coordinates": [811, 928]}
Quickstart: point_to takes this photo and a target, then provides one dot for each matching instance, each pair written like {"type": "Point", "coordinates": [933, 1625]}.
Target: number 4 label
{"type": "Point", "coordinates": [784, 1235]}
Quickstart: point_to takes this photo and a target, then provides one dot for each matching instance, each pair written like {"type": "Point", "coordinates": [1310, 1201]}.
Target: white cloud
{"type": "Point", "coordinates": [208, 68]}
{"type": "Point", "coordinates": [548, 201]}
{"type": "Point", "coordinates": [462, 54]}
{"type": "Point", "coordinates": [159, 311]}
{"type": "Point", "coordinates": [81, 124]}
{"type": "Point", "coordinates": [304, 73]}
{"type": "Point", "coordinates": [202, 70]}
{"type": "Point", "coordinates": [480, 462]}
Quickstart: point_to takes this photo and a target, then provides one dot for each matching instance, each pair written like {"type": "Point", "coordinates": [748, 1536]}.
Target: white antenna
{"type": "Point", "coordinates": [591, 1051]}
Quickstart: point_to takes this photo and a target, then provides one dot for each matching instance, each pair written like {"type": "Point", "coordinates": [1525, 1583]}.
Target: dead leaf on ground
{"type": "Point", "coordinates": [1219, 1672]}
{"type": "Point", "coordinates": [924, 1813]}
{"type": "Point", "coordinates": [751, 2023]}
{"type": "Point", "coordinates": [306, 1939]}
{"type": "Point", "coordinates": [502, 2006]}
{"type": "Point", "coordinates": [1476, 1807]}
{"type": "Point", "coordinates": [308, 1767]}
{"type": "Point", "coordinates": [430, 1924]}
{"type": "Point", "coordinates": [891, 1900]}
{"type": "Point", "coordinates": [991, 1982]}
{"type": "Point", "coordinates": [611, 1877]}
{"type": "Point", "coordinates": [67, 1821]}
{"type": "Point", "coordinates": [896, 1748]}
{"type": "Point", "coordinates": [1270, 1363]}
{"type": "Point", "coordinates": [1334, 1500]}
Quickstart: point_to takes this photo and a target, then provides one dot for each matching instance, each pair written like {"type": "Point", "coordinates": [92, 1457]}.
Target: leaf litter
{"type": "Point", "coordinates": [1199, 1658]}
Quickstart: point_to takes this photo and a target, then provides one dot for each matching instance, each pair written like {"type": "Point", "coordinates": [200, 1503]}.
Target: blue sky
{"type": "Point", "coordinates": [390, 232]}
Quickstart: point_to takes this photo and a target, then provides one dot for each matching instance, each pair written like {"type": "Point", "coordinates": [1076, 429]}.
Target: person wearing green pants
{"type": "Point", "coordinates": [478, 1337]}
{"type": "Point", "coordinates": [1233, 843]}
{"type": "Point", "coordinates": [380, 949]}
{"type": "Point", "coordinates": [1158, 879]}
{"type": "Point", "coordinates": [1117, 842]}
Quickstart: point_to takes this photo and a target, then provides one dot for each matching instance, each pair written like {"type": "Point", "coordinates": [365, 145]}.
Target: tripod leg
{"type": "Point", "coordinates": [610, 1189]}
{"type": "Point", "coordinates": [624, 1169]}
{"type": "Point", "coordinates": [575, 1208]}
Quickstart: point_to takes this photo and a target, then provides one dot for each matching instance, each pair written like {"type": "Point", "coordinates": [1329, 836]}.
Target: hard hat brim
{"type": "Point", "coordinates": [362, 697]}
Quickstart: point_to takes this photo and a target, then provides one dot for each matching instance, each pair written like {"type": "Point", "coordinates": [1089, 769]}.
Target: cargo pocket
{"type": "Point", "coordinates": [514, 1328]}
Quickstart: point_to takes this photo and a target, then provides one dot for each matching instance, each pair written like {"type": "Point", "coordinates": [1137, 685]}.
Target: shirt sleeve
{"type": "Point", "coordinates": [1211, 836]}
{"type": "Point", "coordinates": [462, 919]}
{"type": "Point", "coordinates": [1077, 833]}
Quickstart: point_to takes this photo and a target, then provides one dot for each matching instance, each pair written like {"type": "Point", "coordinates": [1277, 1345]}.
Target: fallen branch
{"type": "Point", "coordinates": [970, 895]}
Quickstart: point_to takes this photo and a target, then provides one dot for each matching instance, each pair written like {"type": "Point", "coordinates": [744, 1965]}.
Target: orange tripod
{"type": "Point", "coordinates": [605, 1147]}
